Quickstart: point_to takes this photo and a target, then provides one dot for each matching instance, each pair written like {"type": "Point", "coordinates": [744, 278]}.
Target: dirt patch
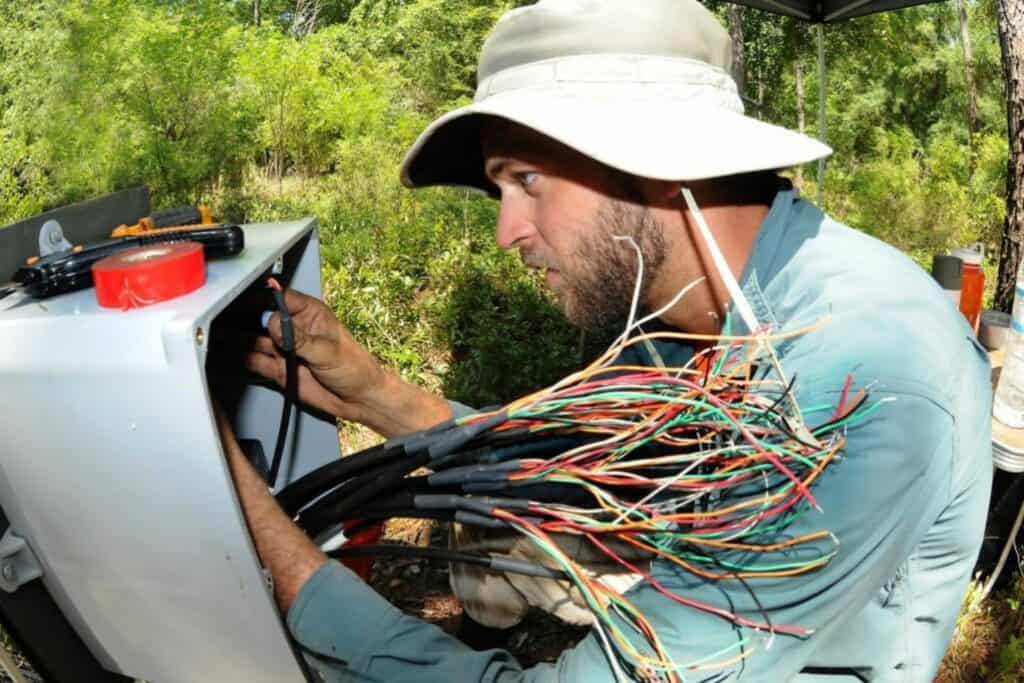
{"type": "Point", "coordinates": [420, 588]}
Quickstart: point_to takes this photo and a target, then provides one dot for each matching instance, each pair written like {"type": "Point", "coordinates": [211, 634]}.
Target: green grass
{"type": "Point", "coordinates": [988, 644]}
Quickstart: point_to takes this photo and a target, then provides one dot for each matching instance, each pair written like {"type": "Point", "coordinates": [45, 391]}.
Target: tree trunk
{"type": "Point", "coordinates": [1010, 22]}
{"type": "Point", "coordinates": [256, 12]}
{"type": "Point", "coordinates": [306, 14]}
{"type": "Point", "coordinates": [972, 89]}
{"type": "Point", "coordinates": [739, 62]}
{"type": "Point", "coordinates": [760, 89]}
{"type": "Point", "coordinates": [800, 121]}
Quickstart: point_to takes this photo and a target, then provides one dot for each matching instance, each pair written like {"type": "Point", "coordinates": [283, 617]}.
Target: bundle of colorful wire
{"type": "Point", "coordinates": [702, 466]}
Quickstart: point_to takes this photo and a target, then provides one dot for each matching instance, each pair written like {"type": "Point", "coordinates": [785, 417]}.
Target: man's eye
{"type": "Point", "coordinates": [526, 179]}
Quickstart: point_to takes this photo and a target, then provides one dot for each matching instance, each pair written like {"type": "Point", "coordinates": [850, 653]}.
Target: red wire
{"type": "Point", "coordinates": [842, 399]}
{"type": "Point", "coordinates": [711, 609]}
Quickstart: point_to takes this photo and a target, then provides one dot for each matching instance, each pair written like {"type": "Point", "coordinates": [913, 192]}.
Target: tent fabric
{"type": "Point", "coordinates": [828, 11]}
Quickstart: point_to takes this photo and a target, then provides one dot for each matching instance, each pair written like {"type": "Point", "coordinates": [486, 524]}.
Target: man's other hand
{"type": "Point", "coordinates": [337, 373]}
{"type": "Point", "coordinates": [339, 376]}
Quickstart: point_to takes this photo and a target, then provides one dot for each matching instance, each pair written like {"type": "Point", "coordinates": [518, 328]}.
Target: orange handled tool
{"type": "Point", "coordinates": [178, 217]}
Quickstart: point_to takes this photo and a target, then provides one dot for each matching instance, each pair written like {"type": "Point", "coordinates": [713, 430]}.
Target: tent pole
{"type": "Point", "coordinates": [821, 111]}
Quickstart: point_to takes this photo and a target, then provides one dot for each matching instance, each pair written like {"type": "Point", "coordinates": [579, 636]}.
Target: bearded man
{"type": "Point", "coordinates": [607, 125]}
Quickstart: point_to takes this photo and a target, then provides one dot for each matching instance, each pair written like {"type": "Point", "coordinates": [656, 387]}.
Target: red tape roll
{"type": "Point", "coordinates": [147, 275]}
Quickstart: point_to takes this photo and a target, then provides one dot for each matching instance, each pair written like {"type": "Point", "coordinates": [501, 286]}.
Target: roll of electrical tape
{"type": "Point", "coordinates": [148, 275]}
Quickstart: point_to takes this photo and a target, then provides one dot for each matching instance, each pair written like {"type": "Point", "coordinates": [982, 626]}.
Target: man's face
{"type": "Point", "coordinates": [563, 211]}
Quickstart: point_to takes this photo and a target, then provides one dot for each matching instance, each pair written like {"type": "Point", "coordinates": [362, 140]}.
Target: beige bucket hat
{"type": "Point", "coordinates": [643, 86]}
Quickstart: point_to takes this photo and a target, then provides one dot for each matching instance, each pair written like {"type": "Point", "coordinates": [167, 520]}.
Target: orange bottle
{"type": "Point", "coordinates": [972, 290]}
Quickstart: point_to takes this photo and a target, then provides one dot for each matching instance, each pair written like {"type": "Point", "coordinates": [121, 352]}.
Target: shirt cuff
{"type": "Point", "coordinates": [323, 617]}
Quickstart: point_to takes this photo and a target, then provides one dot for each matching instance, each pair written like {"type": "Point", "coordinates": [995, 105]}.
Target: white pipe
{"type": "Point", "coordinates": [1002, 560]}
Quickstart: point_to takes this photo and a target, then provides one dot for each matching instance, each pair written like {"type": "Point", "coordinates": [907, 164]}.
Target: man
{"type": "Point", "coordinates": [596, 120]}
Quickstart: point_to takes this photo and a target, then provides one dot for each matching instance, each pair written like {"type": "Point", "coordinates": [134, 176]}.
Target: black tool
{"type": "Point", "coordinates": [69, 271]}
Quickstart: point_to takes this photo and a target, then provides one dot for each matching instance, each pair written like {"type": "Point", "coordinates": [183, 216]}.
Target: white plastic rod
{"type": "Point", "coordinates": [739, 300]}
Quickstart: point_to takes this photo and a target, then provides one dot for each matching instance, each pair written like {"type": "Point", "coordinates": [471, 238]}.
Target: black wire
{"type": "Point", "coordinates": [497, 562]}
{"type": "Point", "coordinates": [733, 574]}
{"type": "Point", "coordinates": [291, 385]}
{"type": "Point", "coordinates": [311, 486]}
{"type": "Point", "coordinates": [372, 461]}
{"type": "Point", "coordinates": [334, 507]}
{"type": "Point", "coordinates": [786, 393]}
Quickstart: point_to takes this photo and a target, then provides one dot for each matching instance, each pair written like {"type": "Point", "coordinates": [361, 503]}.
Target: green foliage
{"type": "Point", "coordinates": [22, 192]}
{"type": "Point", "coordinates": [199, 103]}
{"type": "Point", "coordinates": [154, 104]}
{"type": "Point", "coordinates": [1009, 662]}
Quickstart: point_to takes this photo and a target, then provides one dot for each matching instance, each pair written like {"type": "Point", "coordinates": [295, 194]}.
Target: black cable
{"type": "Point", "coordinates": [303, 491]}
{"type": "Point", "coordinates": [501, 563]}
{"type": "Point", "coordinates": [311, 486]}
{"type": "Point", "coordinates": [344, 502]}
{"type": "Point", "coordinates": [291, 384]}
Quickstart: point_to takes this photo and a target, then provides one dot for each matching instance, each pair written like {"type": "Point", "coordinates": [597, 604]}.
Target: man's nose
{"type": "Point", "coordinates": [514, 224]}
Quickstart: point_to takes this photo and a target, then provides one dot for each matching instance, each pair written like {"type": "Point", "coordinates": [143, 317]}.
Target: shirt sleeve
{"type": "Point", "coordinates": [348, 632]}
{"type": "Point", "coordinates": [879, 500]}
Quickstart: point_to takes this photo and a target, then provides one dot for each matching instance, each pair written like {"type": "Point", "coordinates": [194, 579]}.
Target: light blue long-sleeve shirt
{"type": "Point", "coordinates": [907, 501]}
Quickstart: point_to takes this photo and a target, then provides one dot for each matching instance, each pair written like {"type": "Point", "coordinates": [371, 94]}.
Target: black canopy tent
{"type": "Point", "coordinates": [826, 12]}
{"type": "Point", "coordinates": [830, 11]}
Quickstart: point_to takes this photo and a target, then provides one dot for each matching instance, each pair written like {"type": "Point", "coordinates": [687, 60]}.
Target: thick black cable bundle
{"type": "Point", "coordinates": [291, 385]}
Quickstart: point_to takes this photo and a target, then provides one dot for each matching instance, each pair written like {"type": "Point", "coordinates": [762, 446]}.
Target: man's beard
{"type": "Point", "coordinates": [598, 284]}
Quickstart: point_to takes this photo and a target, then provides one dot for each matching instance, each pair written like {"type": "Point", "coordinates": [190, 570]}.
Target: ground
{"type": "Point", "coordinates": [421, 589]}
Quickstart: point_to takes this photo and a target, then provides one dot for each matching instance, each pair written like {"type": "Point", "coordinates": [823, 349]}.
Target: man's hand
{"type": "Point", "coordinates": [339, 376]}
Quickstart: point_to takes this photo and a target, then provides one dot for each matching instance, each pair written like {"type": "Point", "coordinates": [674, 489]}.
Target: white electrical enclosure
{"type": "Point", "coordinates": [112, 470]}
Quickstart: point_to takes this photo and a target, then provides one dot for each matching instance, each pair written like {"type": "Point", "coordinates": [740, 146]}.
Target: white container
{"type": "Point", "coordinates": [1008, 404]}
{"type": "Point", "coordinates": [111, 469]}
{"type": "Point", "coordinates": [994, 330]}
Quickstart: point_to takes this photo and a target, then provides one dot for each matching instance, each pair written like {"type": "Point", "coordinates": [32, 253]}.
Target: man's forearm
{"type": "Point", "coordinates": [394, 407]}
{"type": "Point", "coordinates": [285, 550]}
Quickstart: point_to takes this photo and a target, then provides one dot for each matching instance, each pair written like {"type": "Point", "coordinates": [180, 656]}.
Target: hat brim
{"type": "Point", "coordinates": [665, 140]}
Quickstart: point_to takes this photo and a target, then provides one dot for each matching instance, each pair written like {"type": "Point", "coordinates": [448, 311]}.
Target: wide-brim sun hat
{"type": "Point", "coordinates": [643, 86]}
